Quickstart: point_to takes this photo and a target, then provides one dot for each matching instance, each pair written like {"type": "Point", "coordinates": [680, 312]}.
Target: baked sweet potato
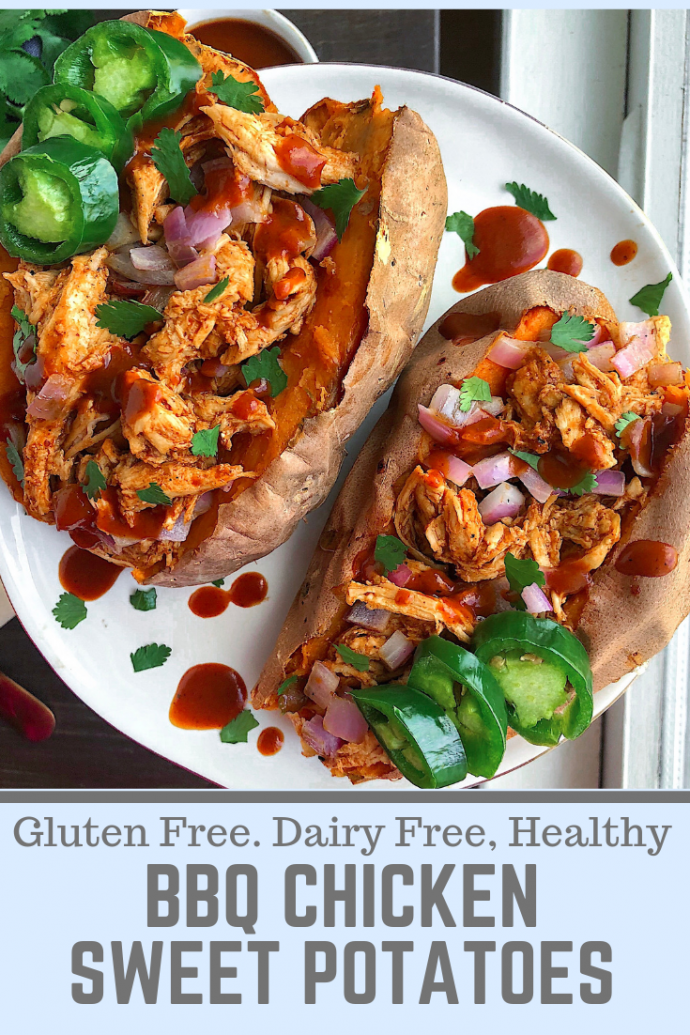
{"type": "Point", "coordinates": [614, 416]}
{"type": "Point", "coordinates": [176, 508]}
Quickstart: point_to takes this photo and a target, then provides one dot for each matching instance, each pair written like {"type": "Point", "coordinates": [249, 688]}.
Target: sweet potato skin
{"type": "Point", "coordinates": [619, 630]}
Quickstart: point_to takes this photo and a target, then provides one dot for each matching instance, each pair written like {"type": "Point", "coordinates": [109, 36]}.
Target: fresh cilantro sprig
{"type": "Point", "coordinates": [587, 483]}
{"type": "Point", "coordinates": [152, 655]}
{"type": "Point", "coordinates": [648, 298]}
{"type": "Point", "coordinates": [286, 684]}
{"type": "Point", "coordinates": [265, 367]}
{"type": "Point", "coordinates": [95, 482]}
{"type": "Point", "coordinates": [522, 573]}
{"type": "Point", "coordinates": [245, 97]}
{"type": "Point", "coordinates": [624, 421]}
{"type": "Point", "coordinates": [532, 202]}
{"type": "Point", "coordinates": [218, 582]}
{"type": "Point", "coordinates": [390, 552]}
{"type": "Point", "coordinates": [473, 389]}
{"type": "Point", "coordinates": [351, 657]}
{"type": "Point", "coordinates": [69, 611]}
{"type": "Point", "coordinates": [166, 155]}
{"type": "Point", "coordinates": [205, 442]}
{"type": "Point", "coordinates": [529, 458]}
{"type": "Point", "coordinates": [217, 290]}
{"type": "Point", "coordinates": [572, 333]}
{"type": "Point", "coordinates": [237, 729]}
{"type": "Point", "coordinates": [16, 461]}
{"type": "Point", "coordinates": [462, 224]}
{"type": "Point", "coordinates": [339, 198]}
{"type": "Point", "coordinates": [144, 599]}
{"type": "Point", "coordinates": [154, 494]}
{"type": "Point", "coordinates": [125, 318]}
{"type": "Point", "coordinates": [24, 332]}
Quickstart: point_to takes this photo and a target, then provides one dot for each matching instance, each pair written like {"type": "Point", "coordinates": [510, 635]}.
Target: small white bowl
{"type": "Point", "coordinates": [278, 23]}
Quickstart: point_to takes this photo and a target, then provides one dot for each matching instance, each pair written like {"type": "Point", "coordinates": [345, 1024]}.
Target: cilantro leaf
{"type": "Point", "coordinates": [126, 319]}
{"type": "Point", "coordinates": [95, 482]}
{"type": "Point", "coordinates": [218, 582]}
{"type": "Point", "coordinates": [390, 552]}
{"type": "Point", "coordinates": [166, 155]}
{"type": "Point", "coordinates": [154, 494]}
{"type": "Point", "coordinates": [522, 573]}
{"type": "Point", "coordinates": [144, 599]}
{"type": "Point", "coordinates": [528, 199]}
{"type": "Point", "coordinates": [473, 389]}
{"type": "Point", "coordinates": [245, 97]}
{"type": "Point", "coordinates": [624, 421]}
{"type": "Point", "coordinates": [463, 225]}
{"type": "Point", "coordinates": [205, 442]}
{"type": "Point", "coordinates": [529, 458]}
{"type": "Point", "coordinates": [69, 611]}
{"type": "Point", "coordinates": [265, 366]}
{"type": "Point", "coordinates": [153, 655]}
{"type": "Point", "coordinates": [217, 290]}
{"type": "Point", "coordinates": [24, 333]}
{"type": "Point", "coordinates": [21, 75]}
{"type": "Point", "coordinates": [572, 333]}
{"type": "Point", "coordinates": [8, 120]}
{"type": "Point", "coordinates": [16, 461]}
{"type": "Point", "coordinates": [351, 657]}
{"type": "Point", "coordinates": [339, 198]}
{"type": "Point", "coordinates": [237, 729]}
{"type": "Point", "coordinates": [648, 298]}
{"type": "Point", "coordinates": [587, 483]}
{"type": "Point", "coordinates": [285, 684]}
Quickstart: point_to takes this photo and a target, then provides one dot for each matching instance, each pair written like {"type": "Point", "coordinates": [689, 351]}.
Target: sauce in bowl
{"type": "Point", "coordinates": [254, 44]}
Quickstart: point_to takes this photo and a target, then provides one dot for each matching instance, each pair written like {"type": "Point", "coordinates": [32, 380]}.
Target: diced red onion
{"type": "Point", "coordinates": [251, 210]}
{"type": "Point", "coordinates": [396, 650]}
{"type": "Point", "coordinates": [175, 226]}
{"type": "Point", "coordinates": [495, 469]}
{"type": "Point", "coordinates": [48, 404]}
{"type": "Point", "coordinates": [610, 483]}
{"type": "Point", "coordinates": [601, 355]}
{"type": "Point", "coordinates": [439, 431]}
{"type": "Point", "coordinates": [640, 348]}
{"type": "Point", "coordinates": [509, 352]}
{"type": "Point", "coordinates": [321, 685]}
{"type": "Point", "coordinates": [201, 271]}
{"type": "Point", "coordinates": [557, 354]}
{"type": "Point", "coordinates": [635, 435]}
{"type": "Point", "coordinates": [201, 225]}
{"type": "Point", "coordinates": [158, 297]}
{"type": "Point", "coordinates": [177, 533]}
{"type": "Point", "coordinates": [660, 374]}
{"type": "Point", "coordinates": [151, 258]}
{"type": "Point", "coordinates": [600, 335]}
{"type": "Point", "coordinates": [124, 233]}
{"type": "Point", "coordinates": [203, 504]}
{"type": "Point", "coordinates": [450, 466]}
{"type": "Point", "coordinates": [504, 502]}
{"type": "Point", "coordinates": [535, 485]}
{"type": "Point", "coordinates": [400, 576]}
{"type": "Point", "coordinates": [368, 617]}
{"type": "Point", "coordinates": [125, 288]}
{"type": "Point", "coordinates": [536, 601]}
{"type": "Point", "coordinates": [326, 237]}
{"type": "Point", "coordinates": [122, 263]}
{"type": "Point", "coordinates": [446, 401]}
{"type": "Point", "coordinates": [318, 739]}
{"type": "Point", "coordinates": [344, 720]}
{"type": "Point", "coordinates": [494, 406]}
{"type": "Point", "coordinates": [672, 409]}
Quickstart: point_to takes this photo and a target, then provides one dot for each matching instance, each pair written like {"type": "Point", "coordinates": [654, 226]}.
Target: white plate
{"type": "Point", "coordinates": [485, 143]}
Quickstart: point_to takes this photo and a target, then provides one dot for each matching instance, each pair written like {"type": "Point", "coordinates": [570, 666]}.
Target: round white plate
{"type": "Point", "coordinates": [485, 143]}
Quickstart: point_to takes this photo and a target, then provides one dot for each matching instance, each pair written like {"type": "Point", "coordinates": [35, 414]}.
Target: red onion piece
{"type": "Point", "coordinates": [535, 485]}
{"type": "Point", "coordinates": [504, 502]}
{"type": "Point", "coordinates": [122, 263]}
{"type": "Point", "coordinates": [509, 352]}
{"type": "Point", "coordinates": [450, 466]}
{"type": "Point", "coordinates": [494, 406]}
{"type": "Point", "coordinates": [158, 297]}
{"type": "Point", "coordinates": [600, 335]}
{"type": "Point", "coordinates": [629, 331]}
{"type": "Point", "coordinates": [124, 233]}
{"type": "Point", "coordinates": [635, 436]}
{"type": "Point", "coordinates": [126, 288]}
{"type": "Point", "coordinates": [344, 720]}
{"type": "Point", "coordinates": [48, 404]}
{"type": "Point", "coordinates": [326, 237]}
{"type": "Point", "coordinates": [368, 617]}
{"type": "Point", "coordinates": [178, 533]}
{"type": "Point", "coordinates": [201, 271]}
{"type": "Point", "coordinates": [439, 431]}
{"type": "Point", "coordinates": [151, 257]}
{"type": "Point", "coordinates": [661, 374]}
{"type": "Point", "coordinates": [557, 354]}
{"type": "Point", "coordinates": [536, 601]}
{"type": "Point", "coordinates": [640, 348]}
{"type": "Point", "coordinates": [446, 401]}
{"type": "Point", "coordinates": [321, 685]}
{"type": "Point", "coordinates": [319, 739]}
{"type": "Point", "coordinates": [400, 576]}
{"type": "Point", "coordinates": [610, 483]}
{"type": "Point", "coordinates": [396, 650]}
{"type": "Point", "coordinates": [175, 226]}
{"type": "Point", "coordinates": [203, 504]}
{"type": "Point", "coordinates": [601, 355]}
{"type": "Point", "coordinates": [201, 225]}
{"type": "Point", "coordinates": [496, 469]}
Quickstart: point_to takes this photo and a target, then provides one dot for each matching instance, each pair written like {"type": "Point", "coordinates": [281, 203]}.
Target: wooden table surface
{"type": "Point", "coordinates": [84, 750]}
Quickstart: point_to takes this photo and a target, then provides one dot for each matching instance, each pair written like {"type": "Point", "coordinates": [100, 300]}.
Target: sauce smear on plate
{"type": "Point", "coordinates": [565, 260]}
{"type": "Point", "coordinates": [86, 575]}
{"type": "Point", "coordinates": [510, 241]}
{"type": "Point", "coordinates": [623, 253]}
{"type": "Point", "coordinates": [270, 741]}
{"type": "Point", "coordinates": [247, 590]}
{"type": "Point", "coordinates": [208, 697]}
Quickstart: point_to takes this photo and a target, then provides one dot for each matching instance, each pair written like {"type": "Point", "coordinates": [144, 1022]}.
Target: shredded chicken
{"type": "Point", "coordinates": [131, 476]}
{"type": "Point", "coordinates": [388, 597]}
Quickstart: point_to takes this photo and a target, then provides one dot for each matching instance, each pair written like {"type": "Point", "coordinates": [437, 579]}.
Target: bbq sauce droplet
{"type": "Point", "coordinates": [26, 713]}
{"type": "Point", "coordinates": [208, 697]}
{"type": "Point", "coordinates": [647, 558]}
{"type": "Point", "coordinates": [86, 575]}
{"type": "Point", "coordinates": [247, 590]}
{"type": "Point", "coordinates": [270, 741]}
{"type": "Point", "coordinates": [510, 241]}
{"type": "Point", "coordinates": [565, 260]}
{"type": "Point", "coordinates": [623, 253]}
